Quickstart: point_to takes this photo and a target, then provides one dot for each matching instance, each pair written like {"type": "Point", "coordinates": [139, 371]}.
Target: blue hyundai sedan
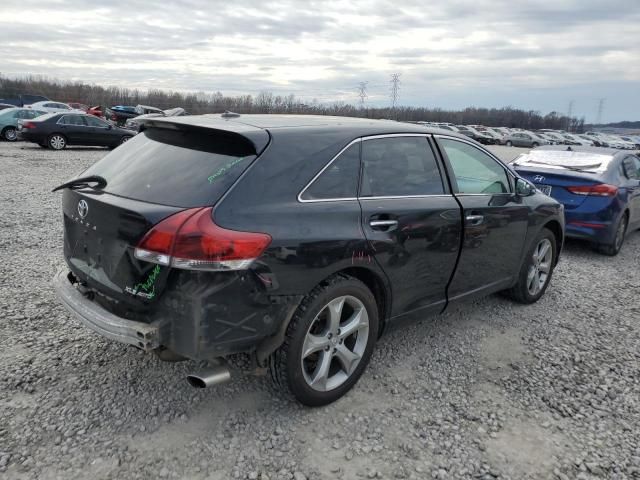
{"type": "Point", "coordinates": [599, 188]}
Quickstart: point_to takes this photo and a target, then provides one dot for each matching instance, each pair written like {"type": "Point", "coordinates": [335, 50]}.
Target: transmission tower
{"type": "Point", "coordinates": [362, 92]}
{"type": "Point", "coordinates": [600, 109]}
{"type": "Point", "coordinates": [569, 113]}
{"type": "Point", "coordinates": [395, 88]}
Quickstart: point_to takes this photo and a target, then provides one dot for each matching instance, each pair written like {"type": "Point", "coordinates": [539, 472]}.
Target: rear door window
{"type": "Point", "coordinates": [76, 120]}
{"type": "Point", "coordinates": [178, 168]}
{"type": "Point", "coordinates": [475, 172]}
{"type": "Point", "coordinates": [339, 180]}
{"type": "Point", "coordinates": [96, 122]}
{"type": "Point", "coordinates": [399, 166]}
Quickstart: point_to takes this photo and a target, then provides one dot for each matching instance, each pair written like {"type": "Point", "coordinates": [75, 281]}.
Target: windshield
{"type": "Point", "coordinates": [178, 168]}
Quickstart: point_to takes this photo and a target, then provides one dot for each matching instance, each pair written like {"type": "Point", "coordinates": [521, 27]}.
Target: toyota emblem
{"type": "Point", "coordinates": [537, 179]}
{"type": "Point", "coordinates": [83, 208]}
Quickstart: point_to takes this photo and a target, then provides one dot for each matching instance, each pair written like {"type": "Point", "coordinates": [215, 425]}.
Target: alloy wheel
{"type": "Point", "coordinates": [540, 267]}
{"type": "Point", "coordinates": [57, 142]}
{"type": "Point", "coordinates": [10, 134]}
{"type": "Point", "coordinates": [335, 343]}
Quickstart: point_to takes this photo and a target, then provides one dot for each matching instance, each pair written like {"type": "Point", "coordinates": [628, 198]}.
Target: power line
{"type": "Point", "coordinates": [600, 109]}
{"type": "Point", "coordinates": [362, 92]}
{"type": "Point", "coordinates": [395, 88]}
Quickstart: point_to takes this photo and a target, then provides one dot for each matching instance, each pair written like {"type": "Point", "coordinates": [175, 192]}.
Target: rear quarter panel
{"type": "Point", "coordinates": [310, 241]}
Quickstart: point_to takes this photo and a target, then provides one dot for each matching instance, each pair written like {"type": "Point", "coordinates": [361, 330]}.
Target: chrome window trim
{"type": "Point", "coordinates": [399, 197]}
{"type": "Point", "coordinates": [364, 139]}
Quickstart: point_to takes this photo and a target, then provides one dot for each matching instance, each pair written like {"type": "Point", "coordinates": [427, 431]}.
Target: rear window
{"type": "Point", "coordinates": [178, 168]}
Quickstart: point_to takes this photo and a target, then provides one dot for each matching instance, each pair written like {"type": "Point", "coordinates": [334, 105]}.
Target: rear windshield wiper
{"type": "Point", "coordinates": [584, 168]}
{"type": "Point", "coordinates": [92, 181]}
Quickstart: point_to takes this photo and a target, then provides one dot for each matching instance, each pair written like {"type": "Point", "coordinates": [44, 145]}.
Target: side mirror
{"type": "Point", "coordinates": [524, 188]}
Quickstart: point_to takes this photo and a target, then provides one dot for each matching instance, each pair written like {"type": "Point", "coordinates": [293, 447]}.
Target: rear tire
{"type": "Point", "coordinates": [328, 342]}
{"type": "Point", "coordinates": [57, 141]}
{"type": "Point", "coordinates": [535, 145]}
{"type": "Point", "coordinates": [509, 143]}
{"type": "Point", "coordinates": [10, 134]}
{"type": "Point", "coordinates": [536, 270]}
{"type": "Point", "coordinates": [621, 232]}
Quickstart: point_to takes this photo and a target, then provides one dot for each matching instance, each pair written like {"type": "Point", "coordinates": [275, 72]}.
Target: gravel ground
{"type": "Point", "coordinates": [490, 390]}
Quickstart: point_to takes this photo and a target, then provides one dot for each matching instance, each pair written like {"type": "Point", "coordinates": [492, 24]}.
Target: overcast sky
{"type": "Point", "coordinates": [532, 54]}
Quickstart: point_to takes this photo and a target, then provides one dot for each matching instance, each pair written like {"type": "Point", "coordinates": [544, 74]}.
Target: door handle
{"type": "Point", "coordinates": [474, 220]}
{"type": "Point", "coordinates": [384, 225]}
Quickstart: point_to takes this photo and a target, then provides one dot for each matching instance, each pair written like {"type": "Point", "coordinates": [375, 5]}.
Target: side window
{"type": "Point", "coordinates": [631, 167]}
{"type": "Point", "coordinates": [72, 120]}
{"type": "Point", "coordinates": [474, 170]}
{"type": "Point", "coordinates": [399, 166]}
{"type": "Point", "coordinates": [338, 180]}
{"type": "Point", "coordinates": [95, 122]}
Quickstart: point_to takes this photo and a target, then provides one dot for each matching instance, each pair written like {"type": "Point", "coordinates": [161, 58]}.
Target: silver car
{"type": "Point", "coordinates": [523, 139]}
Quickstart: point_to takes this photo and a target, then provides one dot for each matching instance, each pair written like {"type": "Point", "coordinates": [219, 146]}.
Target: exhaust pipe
{"type": "Point", "coordinates": [211, 376]}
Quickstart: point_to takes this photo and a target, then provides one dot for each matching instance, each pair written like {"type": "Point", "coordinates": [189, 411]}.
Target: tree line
{"type": "Point", "coordinates": [268, 102]}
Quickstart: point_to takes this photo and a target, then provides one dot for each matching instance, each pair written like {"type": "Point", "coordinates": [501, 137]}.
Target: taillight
{"type": "Point", "coordinates": [601, 190]}
{"type": "Point", "coordinates": [28, 125]}
{"type": "Point", "coordinates": [191, 240]}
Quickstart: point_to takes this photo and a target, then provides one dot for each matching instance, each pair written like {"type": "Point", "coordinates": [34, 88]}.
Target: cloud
{"type": "Point", "coordinates": [487, 53]}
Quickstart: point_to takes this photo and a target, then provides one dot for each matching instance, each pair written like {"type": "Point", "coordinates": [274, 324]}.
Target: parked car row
{"type": "Point", "coordinates": [525, 138]}
{"type": "Point", "coordinates": [55, 125]}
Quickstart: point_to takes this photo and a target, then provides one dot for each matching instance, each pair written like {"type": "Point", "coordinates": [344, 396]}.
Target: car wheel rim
{"type": "Point", "coordinates": [124, 139]}
{"type": "Point", "coordinates": [10, 134]}
{"type": "Point", "coordinates": [335, 343]}
{"type": "Point", "coordinates": [620, 233]}
{"type": "Point", "coordinates": [57, 142]}
{"type": "Point", "coordinates": [540, 268]}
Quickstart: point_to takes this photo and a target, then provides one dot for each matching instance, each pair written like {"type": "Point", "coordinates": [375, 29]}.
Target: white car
{"type": "Point", "coordinates": [575, 139]}
{"type": "Point", "coordinates": [54, 107]}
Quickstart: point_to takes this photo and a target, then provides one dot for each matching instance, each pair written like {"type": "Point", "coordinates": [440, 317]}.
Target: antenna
{"type": "Point", "coordinates": [362, 92]}
{"type": "Point", "coordinates": [600, 109]}
{"type": "Point", "coordinates": [395, 88]}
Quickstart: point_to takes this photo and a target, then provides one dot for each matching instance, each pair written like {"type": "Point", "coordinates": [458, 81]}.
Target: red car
{"type": "Point", "coordinates": [97, 111]}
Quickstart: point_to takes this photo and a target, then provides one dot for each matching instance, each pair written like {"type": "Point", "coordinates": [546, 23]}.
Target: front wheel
{"type": "Point", "coordinates": [328, 343]}
{"type": "Point", "coordinates": [57, 141]}
{"type": "Point", "coordinates": [125, 139]}
{"type": "Point", "coordinates": [536, 271]}
{"type": "Point", "coordinates": [535, 144]}
{"type": "Point", "coordinates": [10, 134]}
{"type": "Point", "coordinates": [509, 143]}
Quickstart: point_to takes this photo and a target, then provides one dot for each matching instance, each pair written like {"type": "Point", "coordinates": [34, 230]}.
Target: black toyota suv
{"type": "Point", "coordinates": [296, 239]}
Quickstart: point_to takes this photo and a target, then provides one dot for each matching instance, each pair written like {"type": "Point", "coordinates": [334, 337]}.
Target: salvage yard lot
{"type": "Point", "coordinates": [491, 390]}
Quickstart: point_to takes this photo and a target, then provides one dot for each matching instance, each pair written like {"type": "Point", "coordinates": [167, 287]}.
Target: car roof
{"type": "Point", "coordinates": [255, 126]}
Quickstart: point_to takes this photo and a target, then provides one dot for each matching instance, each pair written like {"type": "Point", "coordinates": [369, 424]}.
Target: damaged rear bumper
{"type": "Point", "coordinates": [142, 335]}
{"type": "Point", "coordinates": [199, 316]}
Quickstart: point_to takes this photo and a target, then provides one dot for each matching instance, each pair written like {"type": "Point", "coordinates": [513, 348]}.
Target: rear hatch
{"type": "Point", "coordinates": [164, 170]}
{"type": "Point", "coordinates": [554, 171]}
